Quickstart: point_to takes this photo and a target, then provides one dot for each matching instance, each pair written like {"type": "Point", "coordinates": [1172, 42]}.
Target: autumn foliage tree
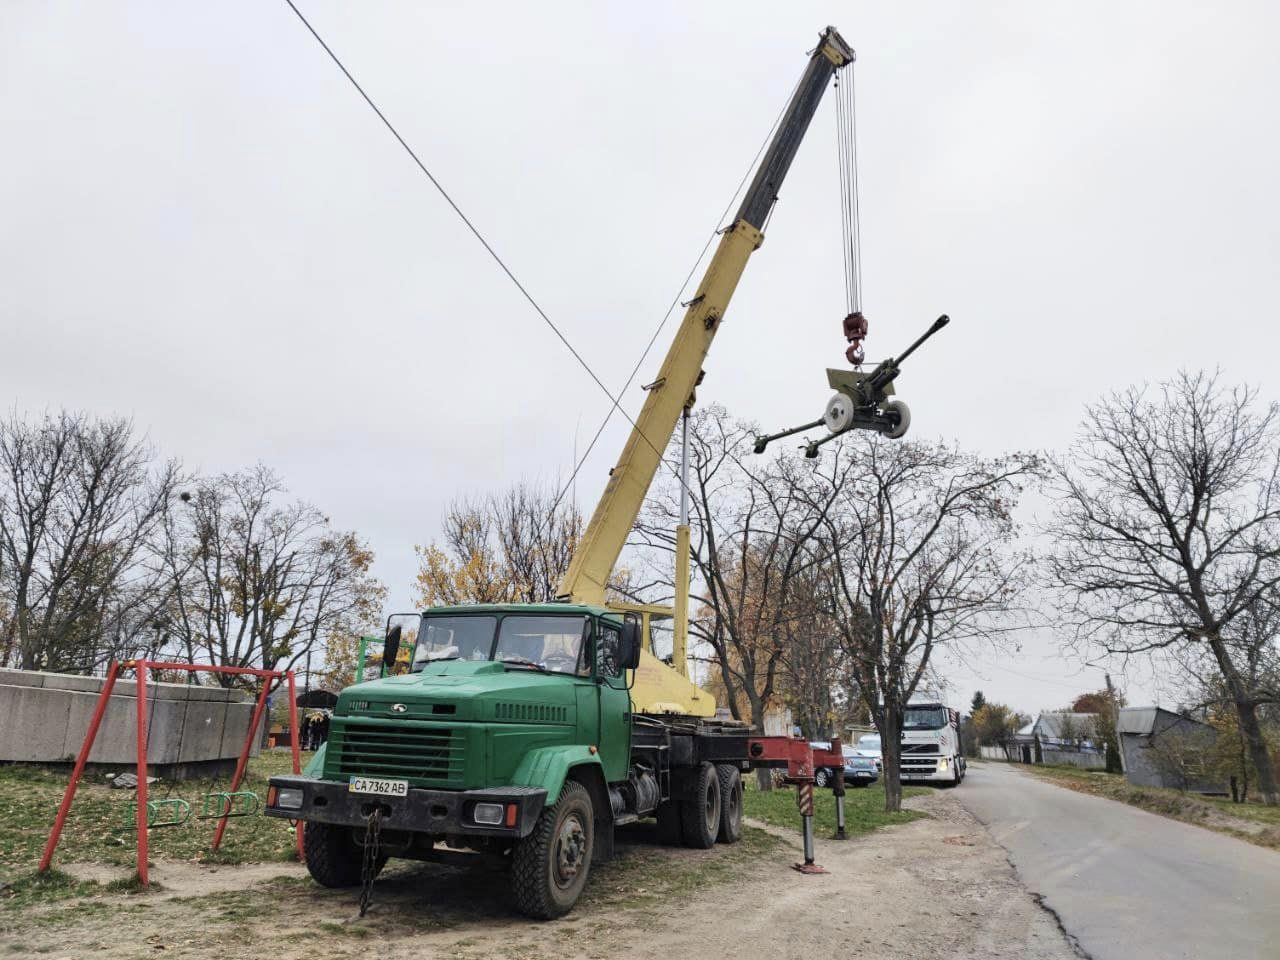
{"type": "Point", "coordinates": [508, 547]}
{"type": "Point", "coordinates": [996, 723]}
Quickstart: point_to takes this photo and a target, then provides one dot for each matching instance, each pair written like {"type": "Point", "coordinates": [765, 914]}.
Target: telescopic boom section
{"type": "Point", "coordinates": [672, 391]}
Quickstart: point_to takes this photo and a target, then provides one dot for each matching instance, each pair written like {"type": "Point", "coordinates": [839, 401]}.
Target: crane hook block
{"type": "Point", "coordinates": [855, 331]}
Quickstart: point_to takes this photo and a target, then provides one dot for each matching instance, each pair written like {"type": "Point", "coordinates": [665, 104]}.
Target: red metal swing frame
{"type": "Point", "coordinates": [140, 668]}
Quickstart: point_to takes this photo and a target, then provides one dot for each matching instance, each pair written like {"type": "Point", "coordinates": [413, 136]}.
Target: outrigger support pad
{"type": "Point", "coordinates": [861, 401]}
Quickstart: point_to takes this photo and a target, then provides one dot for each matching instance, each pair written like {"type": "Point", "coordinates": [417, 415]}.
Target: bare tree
{"type": "Point", "coordinates": [81, 504]}
{"type": "Point", "coordinates": [753, 529]}
{"type": "Point", "coordinates": [920, 556]}
{"type": "Point", "coordinates": [1168, 526]}
{"type": "Point", "coordinates": [255, 583]}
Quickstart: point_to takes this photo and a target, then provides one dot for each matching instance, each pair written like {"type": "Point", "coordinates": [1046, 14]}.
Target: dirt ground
{"type": "Point", "coordinates": [936, 887]}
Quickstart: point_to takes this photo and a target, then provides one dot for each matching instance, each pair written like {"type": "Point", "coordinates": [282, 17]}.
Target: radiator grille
{"type": "Point", "coordinates": [428, 756]}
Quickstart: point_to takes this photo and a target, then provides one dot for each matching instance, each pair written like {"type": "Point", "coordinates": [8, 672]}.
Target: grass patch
{"type": "Point", "coordinates": [100, 827]}
{"type": "Point", "coordinates": [863, 808]}
{"type": "Point", "coordinates": [130, 885]}
{"type": "Point", "coordinates": [648, 874]}
{"type": "Point", "coordinates": [33, 888]}
{"type": "Point", "coordinates": [1253, 822]}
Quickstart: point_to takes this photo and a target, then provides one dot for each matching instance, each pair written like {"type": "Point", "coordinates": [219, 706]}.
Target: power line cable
{"type": "Point", "coordinates": [456, 209]}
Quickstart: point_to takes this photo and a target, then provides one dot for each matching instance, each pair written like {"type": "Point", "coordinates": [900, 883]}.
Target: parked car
{"type": "Point", "coordinates": [869, 746]}
{"type": "Point", "coordinates": [858, 770]}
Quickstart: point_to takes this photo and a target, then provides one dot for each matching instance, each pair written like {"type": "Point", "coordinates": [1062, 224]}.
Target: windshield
{"type": "Point", "coordinates": [552, 643]}
{"type": "Point", "coordinates": [871, 742]}
{"type": "Point", "coordinates": [924, 718]}
{"type": "Point", "coordinates": [453, 638]}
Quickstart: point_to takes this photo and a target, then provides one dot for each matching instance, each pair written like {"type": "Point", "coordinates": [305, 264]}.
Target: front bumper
{"type": "Point", "coordinates": [434, 812]}
{"type": "Point", "coordinates": [861, 773]}
{"type": "Point", "coordinates": [934, 772]}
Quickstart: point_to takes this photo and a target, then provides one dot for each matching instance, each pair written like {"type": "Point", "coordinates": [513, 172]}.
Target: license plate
{"type": "Point", "coordinates": [378, 786]}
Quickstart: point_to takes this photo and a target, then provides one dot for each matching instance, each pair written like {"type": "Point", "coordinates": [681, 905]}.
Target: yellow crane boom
{"type": "Point", "coordinates": [658, 688]}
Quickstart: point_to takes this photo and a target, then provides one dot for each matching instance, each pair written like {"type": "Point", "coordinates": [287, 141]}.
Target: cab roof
{"type": "Point", "coordinates": [543, 609]}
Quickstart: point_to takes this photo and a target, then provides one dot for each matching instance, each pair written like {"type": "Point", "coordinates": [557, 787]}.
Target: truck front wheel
{"type": "Point", "coordinates": [334, 859]}
{"type": "Point", "coordinates": [700, 808]}
{"type": "Point", "coordinates": [549, 867]}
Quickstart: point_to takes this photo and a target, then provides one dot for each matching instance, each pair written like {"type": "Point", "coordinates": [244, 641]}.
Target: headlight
{"type": "Point", "coordinates": [289, 798]}
{"type": "Point", "coordinates": [488, 814]}
{"type": "Point", "coordinates": [942, 764]}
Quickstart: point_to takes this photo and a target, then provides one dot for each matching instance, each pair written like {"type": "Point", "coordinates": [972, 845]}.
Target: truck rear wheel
{"type": "Point", "coordinates": [700, 808]}
{"type": "Point", "coordinates": [334, 859]}
{"type": "Point", "coordinates": [730, 803]}
{"type": "Point", "coordinates": [549, 867]}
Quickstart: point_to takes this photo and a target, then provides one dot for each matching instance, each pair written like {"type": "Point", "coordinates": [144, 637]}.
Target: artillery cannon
{"type": "Point", "coordinates": [861, 401]}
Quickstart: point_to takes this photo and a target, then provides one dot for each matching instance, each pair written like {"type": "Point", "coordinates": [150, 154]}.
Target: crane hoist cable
{"type": "Point", "coordinates": [863, 401]}
{"type": "Point", "coordinates": [855, 323]}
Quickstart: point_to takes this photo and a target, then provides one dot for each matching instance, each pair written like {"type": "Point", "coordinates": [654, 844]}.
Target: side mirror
{"type": "Point", "coordinates": [390, 650]}
{"type": "Point", "coordinates": [629, 645]}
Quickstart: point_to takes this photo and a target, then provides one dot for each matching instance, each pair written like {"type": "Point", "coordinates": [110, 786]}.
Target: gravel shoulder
{"type": "Point", "coordinates": [936, 887]}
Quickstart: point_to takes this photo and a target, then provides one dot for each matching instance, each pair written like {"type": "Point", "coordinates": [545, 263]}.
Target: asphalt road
{"type": "Point", "coordinates": [1127, 884]}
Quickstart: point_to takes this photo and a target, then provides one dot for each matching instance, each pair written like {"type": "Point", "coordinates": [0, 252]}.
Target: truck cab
{"type": "Point", "coordinates": [931, 748]}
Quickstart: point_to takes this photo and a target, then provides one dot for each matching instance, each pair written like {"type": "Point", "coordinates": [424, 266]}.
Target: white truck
{"type": "Point", "coordinates": [931, 748]}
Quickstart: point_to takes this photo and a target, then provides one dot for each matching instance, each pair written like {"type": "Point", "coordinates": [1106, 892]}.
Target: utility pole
{"type": "Point", "coordinates": [1115, 718]}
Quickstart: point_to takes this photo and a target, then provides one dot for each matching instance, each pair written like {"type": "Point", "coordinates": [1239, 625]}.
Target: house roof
{"type": "Point", "coordinates": [1142, 720]}
{"type": "Point", "coordinates": [1054, 724]}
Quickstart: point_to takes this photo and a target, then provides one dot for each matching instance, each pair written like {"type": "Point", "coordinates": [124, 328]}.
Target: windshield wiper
{"type": "Point", "coordinates": [521, 661]}
{"type": "Point", "coordinates": [418, 667]}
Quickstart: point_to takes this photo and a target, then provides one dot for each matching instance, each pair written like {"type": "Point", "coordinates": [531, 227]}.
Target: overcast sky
{"type": "Point", "coordinates": [205, 229]}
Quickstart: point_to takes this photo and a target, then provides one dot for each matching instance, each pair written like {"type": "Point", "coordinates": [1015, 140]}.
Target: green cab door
{"type": "Point", "coordinates": [614, 704]}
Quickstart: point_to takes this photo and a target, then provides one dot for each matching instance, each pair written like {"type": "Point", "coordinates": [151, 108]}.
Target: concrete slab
{"type": "Point", "coordinates": [117, 738]}
{"type": "Point", "coordinates": [42, 738]}
{"type": "Point", "coordinates": [65, 681]}
{"type": "Point", "coordinates": [48, 715]}
{"type": "Point", "coordinates": [21, 678]}
{"type": "Point", "coordinates": [234, 728]}
{"type": "Point", "coordinates": [79, 712]}
{"type": "Point", "coordinates": [202, 731]}
{"type": "Point", "coordinates": [165, 730]}
{"type": "Point", "coordinates": [209, 693]}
